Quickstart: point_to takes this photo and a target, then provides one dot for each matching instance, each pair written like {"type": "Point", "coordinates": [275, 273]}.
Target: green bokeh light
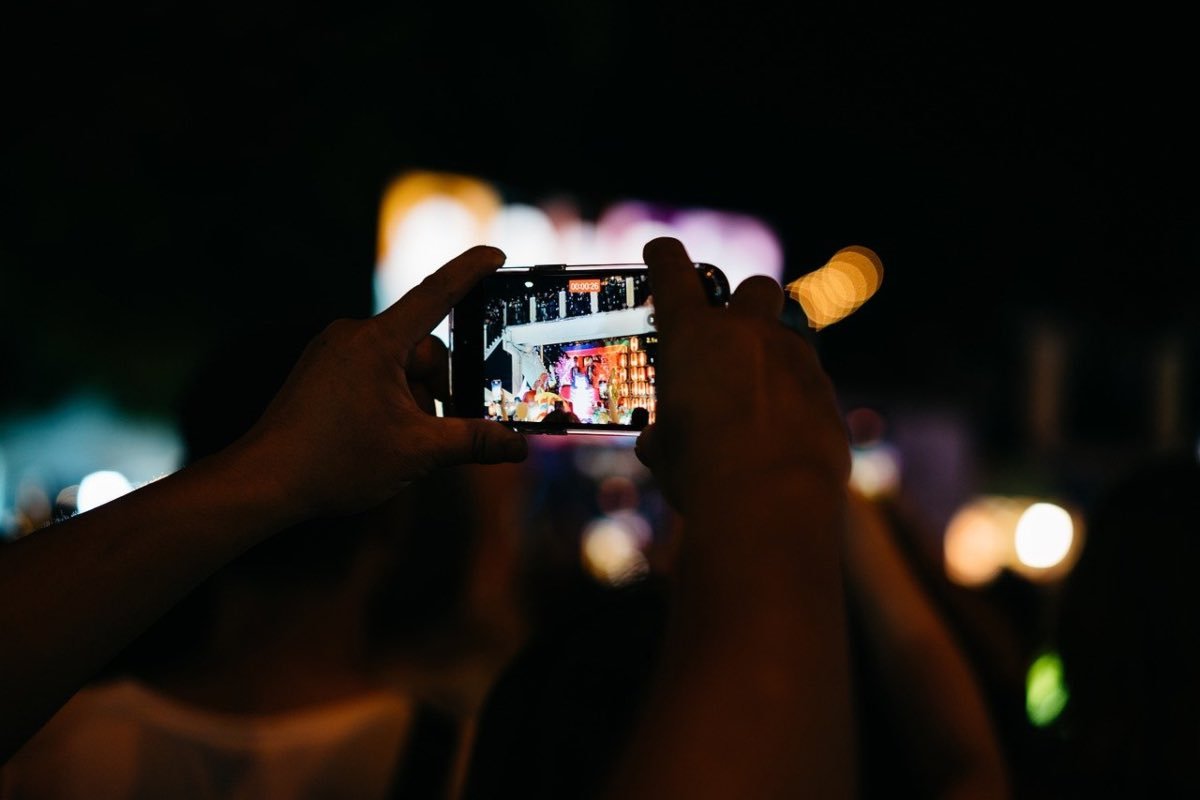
{"type": "Point", "coordinates": [1045, 690]}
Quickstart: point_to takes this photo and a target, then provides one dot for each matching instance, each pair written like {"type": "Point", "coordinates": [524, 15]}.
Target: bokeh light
{"type": "Point", "coordinates": [1046, 693]}
{"type": "Point", "coordinates": [875, 470]}
{"type": "Point", "coordinates": [101, 487]}
{"type": "Point", "coordinates": [427, 218]}
{"type": "Point", "coordinates": [1044, 535]}
{"type": "Point", "coordinates": [739, 244]}
{"type": "Point", "coordinates": [33, 508]}
{"type": "Point", "coordinates": [840, 287]}
{"type": "Point", "coordinates": [611, 551]}
{"type": "Point", "coordinates": [526, 235]}
{"type": "Point", "coordinates": [49, 449]}
{"type": "Point", "coordinates": [1038, 540]}
{"type": "Point", "coordinates": [67, 501]}
{"type": "Point", "coordinates": [974, 547]}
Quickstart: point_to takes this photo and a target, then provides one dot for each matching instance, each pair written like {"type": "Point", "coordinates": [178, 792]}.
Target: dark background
{"type": "Point", "coordinates": [170, 172]}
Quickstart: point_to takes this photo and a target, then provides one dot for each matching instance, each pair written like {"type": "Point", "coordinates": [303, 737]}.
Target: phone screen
{"type": "Point", "coordinates": [572, 350]}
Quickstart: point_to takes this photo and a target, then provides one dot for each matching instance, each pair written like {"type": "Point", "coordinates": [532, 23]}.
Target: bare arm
{"type": "Point", "coordinates": [75, 593]}
{"type": "Point", "coordinates": [752, 698]}
{"type": "Point", "coordinates": [344, 434]}
{"type": "Point", "coordinates": [934, 698]}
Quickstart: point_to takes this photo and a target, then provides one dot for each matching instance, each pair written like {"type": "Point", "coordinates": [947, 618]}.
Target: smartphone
{"type": "Point", "coordinates": [561, 348]}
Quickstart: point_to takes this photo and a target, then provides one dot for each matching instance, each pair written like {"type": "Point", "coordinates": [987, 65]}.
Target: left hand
{"type": "Point", "coordinates": [347, 431]}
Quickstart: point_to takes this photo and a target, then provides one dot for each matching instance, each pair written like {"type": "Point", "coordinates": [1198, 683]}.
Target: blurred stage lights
{"type": "Point", "coordinates": [874, 464]}
{"type": "Point", "coordinates": [1038, 540]}
{"type": "Point", "coordinates": [68, 499]}
{"type": "Point", "coordinates": [875, 470]}
{"type": "Point", "coordinates": [838, 289]}
{"type": "Point", "coordinates": [427, 218]}
{"type": "Point", "coordinates": [1044, 535]}
{"type": "Point", "coordinates": [974, 547]}
{"type": "Point", "coordinates": [99, 488]}
{"type": "Point", "coordinates": [1046, 692]}
{"type": "Point", "coordinates": [611, 551]}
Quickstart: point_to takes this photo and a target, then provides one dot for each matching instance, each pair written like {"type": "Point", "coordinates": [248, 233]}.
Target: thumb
{"type": "Point", "coordinates": [650, 451]}
{"type": "Point", "coordinates": [648, 448]}
{"type": "Point", "coordinates": [477, 441]}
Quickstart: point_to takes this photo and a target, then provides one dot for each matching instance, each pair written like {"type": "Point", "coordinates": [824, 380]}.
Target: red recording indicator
{"type": "Point", "coordinates": [583, 285]}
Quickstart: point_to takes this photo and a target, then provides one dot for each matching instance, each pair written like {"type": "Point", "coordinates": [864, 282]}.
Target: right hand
{"type": "Point", "coordinates": [345, 433]}
{"type": "Point", "coordinates": [742, 400]}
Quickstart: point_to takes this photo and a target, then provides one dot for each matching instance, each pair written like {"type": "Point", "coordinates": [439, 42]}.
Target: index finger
{"type": "Point", "coordinates": [758, 296]}
{"type": "Point", "coordinates": [416, 313]}
{"type": "Point", "coordinates": [677, 289]}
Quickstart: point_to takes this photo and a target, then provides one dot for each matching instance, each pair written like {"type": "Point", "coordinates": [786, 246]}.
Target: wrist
{"type": "Point", "coordinates": [773, 533]}
{"type": "Point", "coordinates": [745, 497]}
{"type": "Point", "coordinates": [749, 464]}
{"type": "Point", "coordinates": [257, 471]}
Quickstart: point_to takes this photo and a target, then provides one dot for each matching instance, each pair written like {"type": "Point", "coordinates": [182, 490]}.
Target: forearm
{"type": "Point", "coordinates": [752, 696]}
{"type": "Point", "coordinates": [343, 434]}
{"type": "Point", "coordinates": [72, 595]}
{"type": "Point", "coordinates": [934, 696]}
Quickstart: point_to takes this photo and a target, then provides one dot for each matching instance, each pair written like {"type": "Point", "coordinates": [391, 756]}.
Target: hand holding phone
{"type": "Point", "coordinates": [760, 411]}
{"type": "Point", "coordinates": [563, 349]}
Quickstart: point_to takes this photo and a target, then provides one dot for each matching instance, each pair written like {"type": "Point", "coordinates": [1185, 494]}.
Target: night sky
{"type": "Point", "coordinates": [172, 172]}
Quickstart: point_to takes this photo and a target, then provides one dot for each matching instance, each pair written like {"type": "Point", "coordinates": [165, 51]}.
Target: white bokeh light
{"type": "Point", "coordinates": [101, 487]}
{"type": "Point", "coordinates": [875, 470]}
{"type": "Point", "coordinates": [702, 234]}
{"type": "Point", "coordinates": [611, 551]}
{"type": "Point", "coordinates": [628, 246]}
{"type": "Point", "coordinates": [526, 235]}
{"type": "Point", "coordinates": [579, 243]}
{"type": "Point", "coordinates": [428, 218]}
{"type": "Point", "coordinates": [1044, 535]}
{"type": "Point", "coordinates": [431, 233]}
{"type": "Point", "coordinates": [741, 246]}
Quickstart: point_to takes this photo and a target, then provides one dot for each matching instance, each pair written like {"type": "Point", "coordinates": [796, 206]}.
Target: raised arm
{"type": "Point", "coordinates": [933, 697]}
{"type": "Point", "coordinates": [752, 697]}
{"type": "Point", "coordinates": [344, 434]}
